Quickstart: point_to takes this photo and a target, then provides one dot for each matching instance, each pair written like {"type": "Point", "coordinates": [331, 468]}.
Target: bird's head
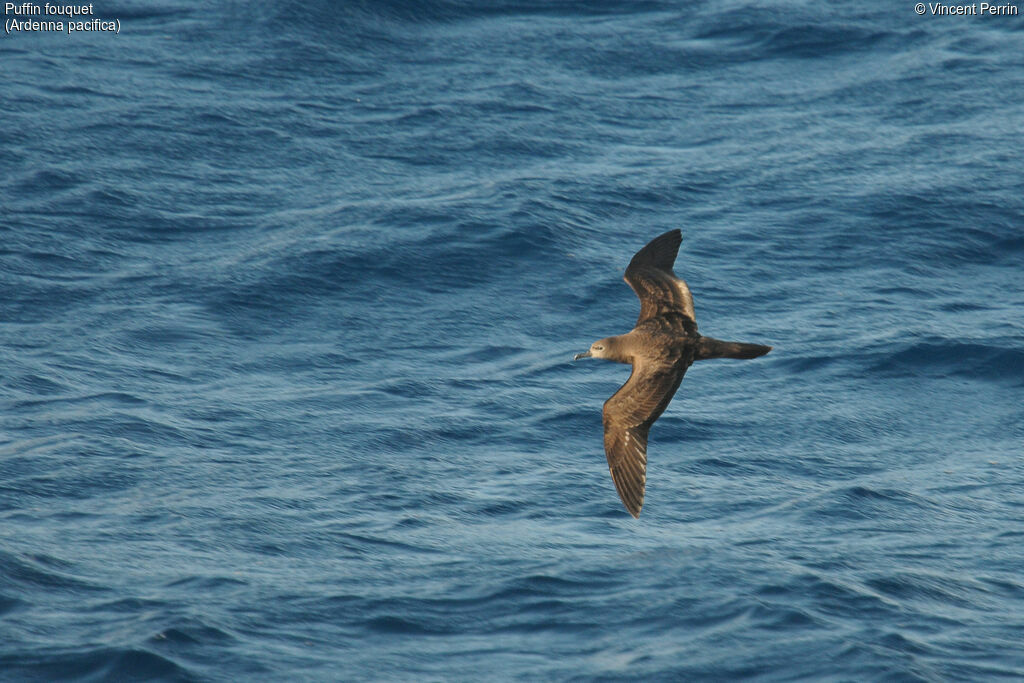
{"type": "Point", "coordinates": [599, 349]}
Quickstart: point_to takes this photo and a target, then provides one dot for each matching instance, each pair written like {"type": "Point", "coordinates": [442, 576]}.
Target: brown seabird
{"type": "Point", "coordinates": [662, 345]}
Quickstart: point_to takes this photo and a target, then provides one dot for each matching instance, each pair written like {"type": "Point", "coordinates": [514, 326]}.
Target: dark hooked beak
{"type": "Point", "coordinates": [585, 354]}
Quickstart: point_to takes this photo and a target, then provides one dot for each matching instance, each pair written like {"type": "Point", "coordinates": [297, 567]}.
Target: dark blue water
{"type": "Point", "coordinates": [289, 294]}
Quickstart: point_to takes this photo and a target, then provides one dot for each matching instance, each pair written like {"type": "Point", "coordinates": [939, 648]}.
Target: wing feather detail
{"type": "Point", "coordinates": [628, 416]}
{"type": "Point", "coordinates": [650, 276]}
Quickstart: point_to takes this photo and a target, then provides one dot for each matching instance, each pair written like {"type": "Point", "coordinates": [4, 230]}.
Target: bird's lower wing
{"type": "Point", "coordinates": [628, 416]}
{"type": "Point", "coordinates": [627, 460]}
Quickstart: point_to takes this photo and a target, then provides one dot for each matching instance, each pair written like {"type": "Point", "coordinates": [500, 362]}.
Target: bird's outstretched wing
{"type": "Point", "coordinates": [651, 277]}
{"type": "Point", "coordinates": [628, 416]}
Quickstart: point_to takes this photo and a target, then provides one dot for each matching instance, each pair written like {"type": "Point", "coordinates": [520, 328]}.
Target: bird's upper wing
{"type": "Point", "coordinates": [628, 415]}
{"type": "Point", "coordinates": [651, 277]}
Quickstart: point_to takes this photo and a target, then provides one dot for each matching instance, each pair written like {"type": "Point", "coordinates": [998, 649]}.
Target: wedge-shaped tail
{"type": "Point", "coordinates": [709, 347]}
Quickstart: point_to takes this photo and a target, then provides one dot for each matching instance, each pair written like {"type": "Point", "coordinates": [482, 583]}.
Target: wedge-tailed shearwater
{"type": "Point", "coordinates": [662, 345]}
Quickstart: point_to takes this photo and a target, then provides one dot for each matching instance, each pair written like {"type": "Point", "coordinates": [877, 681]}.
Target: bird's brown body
{"type": "Point", "coordinates": [662, 345]}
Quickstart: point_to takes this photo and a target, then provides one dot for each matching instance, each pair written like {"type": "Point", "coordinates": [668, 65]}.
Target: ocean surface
{"type": "Point", "coordinates": [290, 292]}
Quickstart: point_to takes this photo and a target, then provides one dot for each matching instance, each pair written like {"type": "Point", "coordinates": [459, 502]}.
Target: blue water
{"type": "Point", "coordinates": [289, 294]}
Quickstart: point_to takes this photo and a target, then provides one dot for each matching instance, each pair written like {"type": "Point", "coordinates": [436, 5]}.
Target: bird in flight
{"type": "Point", "coordinates": [662, 345]}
